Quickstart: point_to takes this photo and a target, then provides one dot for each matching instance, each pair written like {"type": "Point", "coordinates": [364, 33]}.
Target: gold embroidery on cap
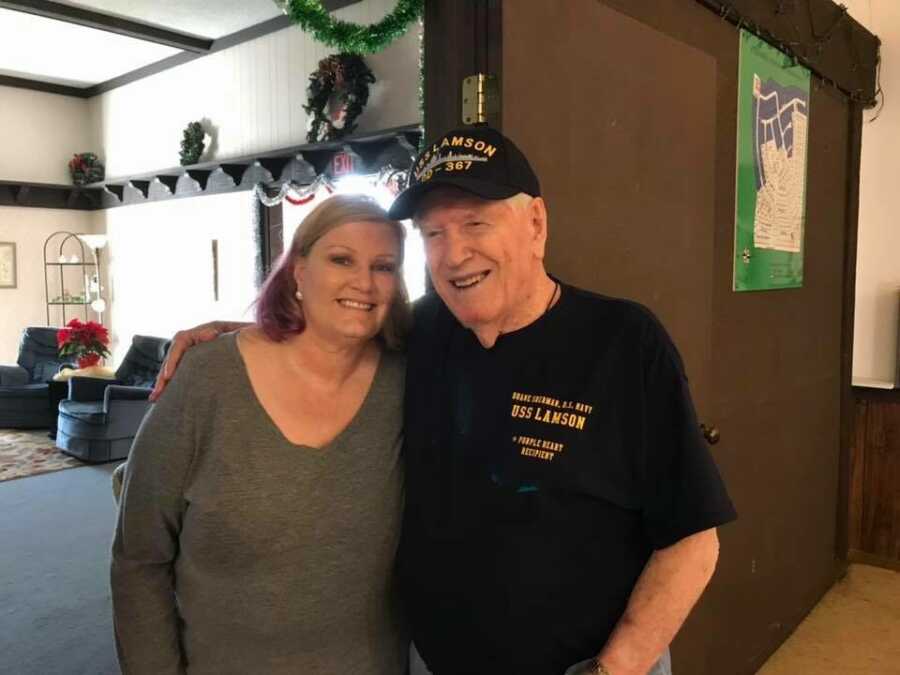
{"type": "Point", "coordinates": [433, 161]}
{"type": "Point", "coordinates": [448, 163]}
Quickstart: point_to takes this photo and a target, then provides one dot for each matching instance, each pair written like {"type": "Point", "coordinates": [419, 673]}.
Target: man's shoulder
{"type": "Point", "coordinates": [428, 312]}
{"type": "Point", "coordinates": [609, 312]}
{"type": "Point", "coordinates": [629, 322]}
{"type": "Point", "coordinates": [204, 366]}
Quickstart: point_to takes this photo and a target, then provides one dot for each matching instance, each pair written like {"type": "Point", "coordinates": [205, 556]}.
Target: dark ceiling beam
{"type": "Point", "coordinates": [48, 87]}
{"type": "Point", "coordinates": [109, 23]}
{"type": "Point", "coordinates": [272, 25]}
{"type": "Point", "coordinates": [332, 5]}
{"type": "Point", "coordinates": [259, 30]}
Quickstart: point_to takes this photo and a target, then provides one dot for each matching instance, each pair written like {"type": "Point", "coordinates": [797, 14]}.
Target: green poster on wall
{"type": "Point", "coordinates": [770, 196]}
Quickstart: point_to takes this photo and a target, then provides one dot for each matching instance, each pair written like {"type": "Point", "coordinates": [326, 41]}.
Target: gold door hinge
{"type": "Point", "coordinates": [480, 98]}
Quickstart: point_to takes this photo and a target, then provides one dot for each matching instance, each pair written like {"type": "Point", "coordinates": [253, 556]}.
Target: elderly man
{"type": "Point", "coordinates": [561, 501]}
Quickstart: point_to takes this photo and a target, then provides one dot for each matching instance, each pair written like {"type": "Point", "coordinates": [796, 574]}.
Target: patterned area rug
{"type": "Point", "coordinates": [28, 453]}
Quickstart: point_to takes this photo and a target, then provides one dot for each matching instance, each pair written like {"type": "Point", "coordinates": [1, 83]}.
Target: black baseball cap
{"type": "Point", "coordinates": [477, 159]}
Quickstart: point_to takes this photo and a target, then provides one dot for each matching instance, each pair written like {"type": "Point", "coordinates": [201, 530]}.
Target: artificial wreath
{"type": "Point", "coordinates": [85, 168]}
{"type": "Point", "coordinates": [192, 144]}
{"type": "Point", "coordinates": [337, 93]}
{"type": "Point", "coordinates": [350, 37]}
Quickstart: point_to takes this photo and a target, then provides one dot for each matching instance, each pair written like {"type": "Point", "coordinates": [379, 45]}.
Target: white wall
{"type": "Point", "coordinates": [40, 132]}
{"type": "Point", "coordinates": [878, 257]}
{"type": "Point", "coordinates": [253, 94]}
{"type": "Point", "coordinates": [160, 268]}
{"type": "Point", "coordinates": [24, 305]}
{"type": "Point", "coordinates": [160, 261]}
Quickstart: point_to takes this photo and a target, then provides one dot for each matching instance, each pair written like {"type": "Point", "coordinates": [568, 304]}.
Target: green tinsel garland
{"type": "Point", "coordinates": [350, 37]}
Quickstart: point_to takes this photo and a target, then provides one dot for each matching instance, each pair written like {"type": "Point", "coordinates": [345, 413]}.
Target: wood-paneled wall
{"type": "Point", "coordinates": [875, 479]}
{"type": "Point", "coordinates": [251, 96]}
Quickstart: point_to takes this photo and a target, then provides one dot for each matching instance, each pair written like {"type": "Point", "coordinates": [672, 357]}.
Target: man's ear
{"type": "Point", "coordinates": [537, 215]}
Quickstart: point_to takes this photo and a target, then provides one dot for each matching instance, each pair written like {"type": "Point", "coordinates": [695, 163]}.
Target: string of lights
{"type": "Point", "coordinates": [809, 53]}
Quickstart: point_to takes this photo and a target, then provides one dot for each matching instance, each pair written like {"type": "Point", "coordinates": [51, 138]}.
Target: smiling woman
{"type": "Point", "coordinates": [261, 505]}
{"type": "Point", "coordinates": [342, 224]}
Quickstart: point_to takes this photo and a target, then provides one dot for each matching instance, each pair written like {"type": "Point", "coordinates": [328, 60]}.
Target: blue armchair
{"type": "Point", "coordinates": [99, 419]}
{"type": "Point", "coordinates": [24, 399]}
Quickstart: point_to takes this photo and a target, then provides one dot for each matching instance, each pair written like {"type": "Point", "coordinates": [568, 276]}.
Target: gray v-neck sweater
{"type": "Point", "coordinates": [237, 551]}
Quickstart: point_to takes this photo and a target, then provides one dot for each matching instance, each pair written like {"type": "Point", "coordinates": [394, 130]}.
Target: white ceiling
{"type": "Point", "coordinates": [48, 50]}
{"type": "Point", "coordinates": [53, 51]}
{"type": "Point", "coordinates": [205, 18]}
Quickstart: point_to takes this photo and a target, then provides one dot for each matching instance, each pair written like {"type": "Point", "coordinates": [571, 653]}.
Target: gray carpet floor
{"type": "Point", "coordinates": [55, 535]}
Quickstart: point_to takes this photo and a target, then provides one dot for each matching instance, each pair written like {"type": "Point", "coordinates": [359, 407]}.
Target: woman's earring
{"type": "Point", "coordinates": [298, 295]}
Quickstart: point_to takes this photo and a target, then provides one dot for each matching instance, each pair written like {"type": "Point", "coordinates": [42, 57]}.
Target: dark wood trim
{"type": "Point", "coordinates": [253, 32]}
{"type": "Point", "coordinates": [876, 395]}
{"type": "Point", "coordinates": [22, 195]}
{"type": "Point", "coordinates": [299, 163]}
{"type": "Point", "coordinates": [270, 26]}
{"type": "Point", "coordinates": [334, 5]}
{"type": "Point", "coordinates": [863, 558]}
{"type": "Point", "coordinates": [461, 39]}
{"type": "Point", "coordinates": [489, 49]}
{"type": "Point", "coordinates": [49, 196]}
{"type": "Point", "coordinates": [141, 73]}
{"type": "Point", "coordinates": [848, 404]}
{"type": "Point", "coordinates": [272, 237]}
{"type": "Point", "coordinates": [897, 363]}
{"type": "Point", "coordinates": [109, 23]}
{"type": "Point", "coordinates": [819, 33]}
{"type": "Point", "coordinates": [46, 87]}
{"type": "Point", "coordinates": [874, 502]}
{"type": "Point", "coordinates": [273, 25]}
{"type": "Point", "coordinates": [226, 42]}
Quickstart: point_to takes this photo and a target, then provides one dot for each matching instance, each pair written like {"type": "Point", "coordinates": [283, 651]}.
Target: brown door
{"type": "Point", "coordinates": [628, 111]}
{"type": "Point", "coordinates": [620, 121]}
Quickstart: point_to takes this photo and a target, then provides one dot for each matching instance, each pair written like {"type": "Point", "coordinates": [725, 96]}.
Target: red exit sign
{"type": "Point", "coordinates": [342, 164]}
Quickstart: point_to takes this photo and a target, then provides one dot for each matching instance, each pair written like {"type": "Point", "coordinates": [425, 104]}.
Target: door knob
{"type": "Point", "coordinates": [711, 434]}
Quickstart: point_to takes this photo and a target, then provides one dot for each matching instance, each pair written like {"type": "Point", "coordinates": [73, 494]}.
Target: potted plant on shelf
{"type": "Point", "coordinates": [87, 342]}
{"type": "Point", "coordinates": [192, 144]}
{"type": "Point", "coordinates": [85, 168]}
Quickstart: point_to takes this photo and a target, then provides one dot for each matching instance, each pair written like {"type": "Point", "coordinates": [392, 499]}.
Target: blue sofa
{"type": "Point", "coordinates": [99, 419]}
{"type": "Point", "coordinates": [24, 400]}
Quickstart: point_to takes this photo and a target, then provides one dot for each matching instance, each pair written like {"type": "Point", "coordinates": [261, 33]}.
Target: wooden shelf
{"type": "Point", "coordinates": [49, 196]}
{"type": "Point", "coordinates": [301, 164]}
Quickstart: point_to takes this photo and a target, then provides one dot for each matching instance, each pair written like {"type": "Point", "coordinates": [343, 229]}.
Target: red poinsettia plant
{"type": "Point", "coordinates": [86, 342]}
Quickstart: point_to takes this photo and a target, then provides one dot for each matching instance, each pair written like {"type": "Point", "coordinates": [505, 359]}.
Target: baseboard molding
{"type": "Point", "coordinates": [864, 558]}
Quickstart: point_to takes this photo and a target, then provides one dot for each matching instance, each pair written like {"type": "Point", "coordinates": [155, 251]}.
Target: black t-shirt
{"type": "Point", "coordinates": [541, 475]}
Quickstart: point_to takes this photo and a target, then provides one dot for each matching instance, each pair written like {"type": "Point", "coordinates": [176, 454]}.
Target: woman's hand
{"type": "Point", "coordinates": [184, 340]}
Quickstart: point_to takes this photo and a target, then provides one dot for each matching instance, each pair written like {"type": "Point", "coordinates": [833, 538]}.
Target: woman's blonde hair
{"type": "Point", "coordinates": [279, 313]}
